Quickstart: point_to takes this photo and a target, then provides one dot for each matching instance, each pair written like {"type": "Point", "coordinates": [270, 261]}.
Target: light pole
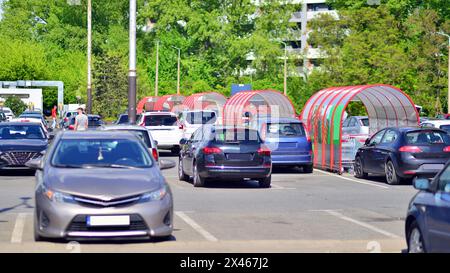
{"type": "Point", "coordinates": [178, 73]}
{"type": "Point", "coordinates": [285, 68]}
{"type": "Point", "coordinates": [132, 65]}
{"type": "Point", "coordinates": [157, 69]}
{"type": "Point", "coordinates": [448, 75]}
{"type": "Point", "coordinates": [89, 59]}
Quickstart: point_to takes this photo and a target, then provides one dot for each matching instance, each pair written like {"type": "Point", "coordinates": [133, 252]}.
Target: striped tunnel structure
{"type": "Point", "coordinates": [146, 104]}
{"type": "Point", "coordinates": [206, 101]}
{"type": "Point", "coordinates": [168, 102]}
{"type": "Point", "coordinates": [323, 115]}
{"type": "Point", "coordinates": [258, 103]}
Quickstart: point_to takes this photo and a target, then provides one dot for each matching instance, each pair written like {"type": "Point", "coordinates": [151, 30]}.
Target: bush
{"type": "Point", "coordinates": [16, 105]}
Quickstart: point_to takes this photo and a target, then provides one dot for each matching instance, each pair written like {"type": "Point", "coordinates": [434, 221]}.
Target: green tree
{"type": "Point", "coordinates": [16, 105]}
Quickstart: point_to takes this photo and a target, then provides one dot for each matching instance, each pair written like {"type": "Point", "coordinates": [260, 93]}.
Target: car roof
{"type": "Point", "coordinates": [124, 127]}
{"type": "Point", "coordinates": [158, 113]}
{"type": "Point", "coordinates": [413, 128]}
{"type": "Point", "coordinates": [438, 121]}
{"type": "Point", "coordinates": [16, 123]}
{"type": "Point", "coordinates": [97, 134]}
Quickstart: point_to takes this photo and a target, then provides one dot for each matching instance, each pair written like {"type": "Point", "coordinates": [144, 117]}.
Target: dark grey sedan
{"type": "Point", "coordinates": [98, 184]}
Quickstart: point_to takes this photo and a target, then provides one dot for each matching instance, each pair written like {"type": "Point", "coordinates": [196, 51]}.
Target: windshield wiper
{"type": "Point", "coordinates": [118, 166]}
{"type": "Point", "coordinates": [68, 166]}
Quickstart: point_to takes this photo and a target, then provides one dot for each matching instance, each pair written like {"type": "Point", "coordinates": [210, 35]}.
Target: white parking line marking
{"type": "Point", "coordinates": [208, 236]}
{"type": "Point", "coordinates": [353, 180]}
{"type": "Point", "coordinates": [16, 237]}
{"type": "Point", "coordinates": [368, 226]}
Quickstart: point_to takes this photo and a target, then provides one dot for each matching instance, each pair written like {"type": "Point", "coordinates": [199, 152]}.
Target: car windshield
{"type": "Point", "coordinates": [238, 136]}
{"type": "Point", "coordinates": [94, 121]}
{"type": "Point", "coordinates": [100, 153]}
{"type": "Point", "coordinates": [30, 116]}
{"type": "Point", "coordinates": [284, 130]}
{"type": "Point", "coordinates": [201, 117]}
{"type": "Point", "coordinates": [21, 132]}
{"type": "Point", "coordinates": [124, 119]}
{"type": "Point", "coordinates": [446, 128]}
{"type": "Point", "coordinates": [365, 121]}
{"type": "Point", "coordinates": [141, 134]}
{"type": "Point", "coordinates": [427, 137]}
{"type": "Point", "coordinates": [160, 120]}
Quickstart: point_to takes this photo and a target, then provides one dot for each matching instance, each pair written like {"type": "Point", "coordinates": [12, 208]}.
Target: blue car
{"type": "Point", "coordinates": [427, 225]}
{"type": "Point", "coordinates": [289, 142]}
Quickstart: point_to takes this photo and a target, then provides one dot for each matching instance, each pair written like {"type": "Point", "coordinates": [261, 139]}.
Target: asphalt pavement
{"type": "Point", "coordinates": [319, 212]}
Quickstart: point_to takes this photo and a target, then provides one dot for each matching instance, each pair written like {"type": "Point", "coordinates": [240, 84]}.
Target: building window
{"type": "Point", "coordinates": [318, 7]}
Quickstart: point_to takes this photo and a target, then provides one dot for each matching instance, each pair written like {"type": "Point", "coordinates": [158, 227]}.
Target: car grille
{"type": "Point", "coordinates": [79, 224]}
{"type": "Point", "coordinates": [18, 158]}
{"type": "Point", "coordinates": [93, 202]}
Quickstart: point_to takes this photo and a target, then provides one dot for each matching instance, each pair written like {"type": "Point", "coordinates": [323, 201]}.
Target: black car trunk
{"type": "Point", "coordinates": [239, 155]}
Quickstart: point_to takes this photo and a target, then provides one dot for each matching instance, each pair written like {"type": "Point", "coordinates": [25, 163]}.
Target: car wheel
{"type": "Point", "coordinates": [37, 237]}
{"type": "Point", "coordinates": [181, 175]}
{"type": "Point", "coordinates": [415, 239]}
{"type": "Point", "coordinates": [359, 170]}
{"type": "Point", "coordinates": [198, 180]}
{"type": "Point", "coordinates": [308, 168]}
{"type": "Point", "coordinates": [391, 174]}
{"type": "Point", "coordinates": [265, 182]}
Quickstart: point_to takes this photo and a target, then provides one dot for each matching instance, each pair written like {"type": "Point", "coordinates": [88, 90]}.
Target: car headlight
{"type": "Point", "coordinates": [155, 195]}
{"type": "Point", "coordinates": [56, 196]}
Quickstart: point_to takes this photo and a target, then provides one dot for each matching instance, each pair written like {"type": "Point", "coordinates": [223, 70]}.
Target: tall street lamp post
{"type": "Point", "coordinates": [448, 76]}
{"type": "Point", "coordinates": [132, 65]}
{"type": "Point", "coordinates": [178, 71]}
{"type": "Point", "coordinates": [157, 69]}
{"type": "Point", "coordinates": [89, 59]}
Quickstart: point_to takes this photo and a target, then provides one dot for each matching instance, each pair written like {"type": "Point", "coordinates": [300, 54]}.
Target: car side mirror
{"type": "Point", "coordinates": [183, 141]}
{"type": "Point", "coordinates": [51, 137]}
{"type": "Point", "coordinates": [166, 164]}
{"type": "Point", "coordinates": [34, 164]}
{"type": "Point", "coordinates": [422, 184]}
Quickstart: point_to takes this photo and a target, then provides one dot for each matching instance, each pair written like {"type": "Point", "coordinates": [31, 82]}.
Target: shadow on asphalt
{"type": "Point", "coordinates": [113, 241]}
{"type": "Point", "coordinates": [21, 172]}
{"type": "Point", "coordinates": [382, 180]}
{"type": "Point", "coordinates": [24, 203]}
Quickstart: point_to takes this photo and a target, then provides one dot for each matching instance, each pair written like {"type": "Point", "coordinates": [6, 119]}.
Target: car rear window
{"type": "Point", "coordinates": [160, 120]}
{"type": "Point", "coordinates": [446, 128]}
{"type": "Point", "coordinates": [427, 137]}
{"type": "Point", "coordinates": [94, 121]}
{"type": "Point", "coordinates": [290, 129]}
{"type": "Point", "coordinates": [237, 136]}
{"type": "Point", "coordinates": [124, 119]}
{"type": "Point", "coordinates": [365, 121]}
{"type": "Point", "coordinates": [201, 117]}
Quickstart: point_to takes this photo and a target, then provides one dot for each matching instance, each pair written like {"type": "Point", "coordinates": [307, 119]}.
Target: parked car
{"type": "Point", "coordinates": [141, 133]}
{"type": "Point", "coordinates": [9, 114]}
{"type": "Point", "coordinates": [164, 128]}
{"type": "Point", "coordinates": [192, 120]}
{"type": "Point", "coordinates": [289, 142]}
{"type": "Point", "coordinates": [67, 117]}
{"type": "Point", "coordinates": [21, 142]}
{"type": "Point", "coordinates": [427, 225]}
{"type": "Point", "coordinates": [441, 124]}
{"type": "Point", "coordinates": [403, 153]}
{"type": "Point", "coordinates": [356, 125]}
{"type": "Point", "coordinates": [33, 115]}
{"type": "Point", "coordinates": [96, 184]}
{"type": "Point", "coordinates": [34, 120]}
{"type": "Point", "coordinates": [224, 153]}
{"type": "Point", "coordinates": [123, 119]}
{"type": "Point", "coordinates": [94, 122]}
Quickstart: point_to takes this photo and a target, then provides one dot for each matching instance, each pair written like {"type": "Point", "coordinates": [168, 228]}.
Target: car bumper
{"type": "Point", "coordinates": [425, 168]}
{"type": "Point", "coordinates": [235, 172]}
{"type": "Point", "coordinates": [291, 159]}
{"type": "Point", "coordinates": [65, 220]}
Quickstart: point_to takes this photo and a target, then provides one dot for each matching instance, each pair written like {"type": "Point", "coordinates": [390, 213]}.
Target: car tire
{"type": "Point", "coordinates": [391, 174]}
{"type": "Point", "coordinates": [198, 181]}
{"type": "Point", "coordinates": [265, 182]}
{"type": "Point", "coordinates": [181, 175]}
{"type": "Point", "coordinates": [415, 239]}
{"type": "Point", "coordinates": [359, 170]}
{"type": "Point", "coordinates": [308, 168]}
{"type": "Point", "coordinates": [37, 237]}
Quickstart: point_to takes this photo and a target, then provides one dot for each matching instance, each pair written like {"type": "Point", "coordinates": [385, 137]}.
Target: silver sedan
{"type": "Point", "coordinates": [98, 184]}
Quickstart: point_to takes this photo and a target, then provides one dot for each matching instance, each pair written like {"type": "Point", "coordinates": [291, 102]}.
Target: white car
{"type": "Point", "coordinates": [8, 113]}
{"type": "Point", "coordinates": [192, 120]}
{"type": "Point", "coordinates": [443, 124]}
{"type": "Point", "coordinates": [32, 120]}
{"type": "Point", "coordinates": [164, 128]}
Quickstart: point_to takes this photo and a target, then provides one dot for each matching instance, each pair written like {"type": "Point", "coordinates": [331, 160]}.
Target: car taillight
{"type": "Point", "coordinates": [264, 151]}
{"type": "Point", "coordinates": [180, 126]}
{"type": "Point", "coordinates": [410, 149]}
{"type": "Point", "coordinates": [71, 127]}
{"type": "Point", "coordinates": [211, 150]}
{"type": "Point", "coordinates": [447, 149]}
{"type": "Point", "coordinates": [155, 153]}
{"type": "Point", "coordinates": [308, 138]}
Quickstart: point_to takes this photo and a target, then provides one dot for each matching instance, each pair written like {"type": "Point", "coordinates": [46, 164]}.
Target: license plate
{"type": "Point", "coordinates": [122, 220]}
{"type": "Point", "coordinates": [239, 156]}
